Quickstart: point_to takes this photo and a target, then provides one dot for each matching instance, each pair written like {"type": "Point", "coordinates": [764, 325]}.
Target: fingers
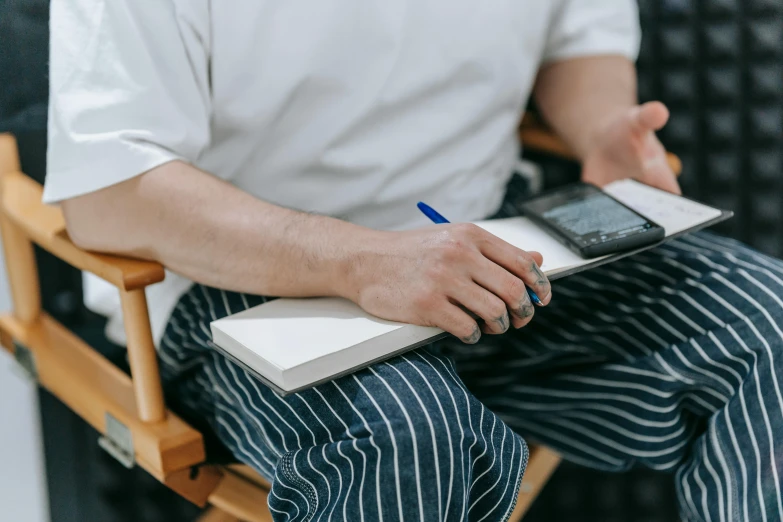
{"type": "Point", "coordinates": [510, 289]}
{"type": "Point", "coordinates": [519, 263]}
{"type": "Point", "coordinates": [658, 174]}
{"type": "Point", "coordinates": [656, 170]}
{"type": "Point", "coordinates": [537, 257]}
{"type": "Point", "coordinates": [476, 282]}
{"type": "Point", "coordinates": [486, 305]}
{"type": "Point", "coordinates": [651, 116]}
{"type": "Point", "coordinates": [459, 323]}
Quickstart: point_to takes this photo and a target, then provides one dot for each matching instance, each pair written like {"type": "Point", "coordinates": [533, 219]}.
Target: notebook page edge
{"type": "Point", "coordinates": [228, 344]}
{"type": "Point", "coordinates": [347, 327]}
{"type": "Point", "coordinates": [358, 356]}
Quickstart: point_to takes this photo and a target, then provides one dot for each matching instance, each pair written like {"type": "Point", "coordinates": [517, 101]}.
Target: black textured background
{"type": "Point", "coordinates": [718, 64]}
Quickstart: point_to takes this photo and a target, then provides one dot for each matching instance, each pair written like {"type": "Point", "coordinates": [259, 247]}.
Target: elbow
{"type": "Point", "coordinates": [109, 222]}
{"type": "Point", "coordinates": [84, 230]}
{"type": "Point", "coordinates": [123, 219]}
{"type": "Point", "coordinates": [97, 220]}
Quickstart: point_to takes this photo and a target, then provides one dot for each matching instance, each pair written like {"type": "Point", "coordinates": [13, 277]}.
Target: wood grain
{"type": "Point", "coordinates": [213, 514]}
{"type": "Point", "coordinates": [535, 136]}
{"type": "Point", "coordinates": [142, 356]}
{"type": "Point", "coordinates": [194, 484]}
{"type": "Point", "coordinates": [541, 464]}
{"type": "Point", "coordinates": [45, 225]}
{"type": "Point", "coordinates": [9, 154]}
{"type": "Point", "coordinates": [19, 254]}
{"type": "Point", "coordinates": [92, 386]}
{"type": "Point", "coordinates": [250, 474]}
{"type": "Point", "coordinates": [241, 498]}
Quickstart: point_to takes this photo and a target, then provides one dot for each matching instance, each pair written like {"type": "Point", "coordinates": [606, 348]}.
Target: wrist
{"type": "Point", "coordinates": [355, 267]}
{"type": "Point", "coordinates": [595, 135]}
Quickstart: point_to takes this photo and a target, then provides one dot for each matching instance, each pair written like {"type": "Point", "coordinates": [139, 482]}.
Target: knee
{"type": "Point", "coordinates": [452, 446]}
{"type": "Point", "coordinates": [423, 402]}
{"type": "Point", "coordinates": [436, 425]}
{"type": "Point", "coordinates": [416, 440]}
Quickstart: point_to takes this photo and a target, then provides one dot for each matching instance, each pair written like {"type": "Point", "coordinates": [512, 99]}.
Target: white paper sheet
{"type": "Point", "coordinates": [287, 333]}
{"type": "Point", "coordinates": [673, 213]}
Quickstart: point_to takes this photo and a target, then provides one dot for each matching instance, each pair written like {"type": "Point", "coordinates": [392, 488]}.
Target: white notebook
{"type": "Point", "coordinates": [293, 344]}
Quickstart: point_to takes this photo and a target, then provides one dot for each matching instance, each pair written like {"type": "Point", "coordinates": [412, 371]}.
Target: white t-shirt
{"type": "Point", "coordinates": [352, 108]}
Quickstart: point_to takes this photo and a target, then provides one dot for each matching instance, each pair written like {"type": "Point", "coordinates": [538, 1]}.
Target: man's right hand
{"type": "Point", "coordinates": [458, 277]}
{"type": "Point", "coordinates": [215, 234]}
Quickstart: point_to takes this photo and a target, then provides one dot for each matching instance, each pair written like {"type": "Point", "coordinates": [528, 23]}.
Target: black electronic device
{"type": "Point", "coordinates": [591, 222]}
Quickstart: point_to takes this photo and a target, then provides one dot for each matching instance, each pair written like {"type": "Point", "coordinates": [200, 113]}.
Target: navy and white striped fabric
{"type": "Point", "coordinates": [672, 359]}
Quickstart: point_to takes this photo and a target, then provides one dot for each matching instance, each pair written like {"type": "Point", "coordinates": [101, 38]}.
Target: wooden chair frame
{"type": "Point", "coordinates": [129, 411]}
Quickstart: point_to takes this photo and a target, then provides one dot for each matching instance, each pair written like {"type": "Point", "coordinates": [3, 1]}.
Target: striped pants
{"type": "Point", "coordinates": [671, 359]}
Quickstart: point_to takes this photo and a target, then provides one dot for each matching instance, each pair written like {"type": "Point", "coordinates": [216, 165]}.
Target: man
{"type": "Point", "coordinates": [327, 121]}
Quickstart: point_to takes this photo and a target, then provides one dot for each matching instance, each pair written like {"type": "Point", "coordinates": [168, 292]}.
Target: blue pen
{"type": "Point", "coordinates": [436, 218]}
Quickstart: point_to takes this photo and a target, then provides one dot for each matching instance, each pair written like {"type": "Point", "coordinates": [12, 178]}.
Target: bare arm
{"type": "Point", "coordinates": [592, 103]}
{"type": "Point", "coordinates": [148, 99]}
{"type": "Point", "coordinates": [213, 233]}
{"type": "Point", "coordinates": [578, 97]}
{"type": "Point", "coordinates": [218, 235]}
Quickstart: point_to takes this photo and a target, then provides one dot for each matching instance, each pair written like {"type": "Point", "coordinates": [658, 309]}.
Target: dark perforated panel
{"type": "Point", "coordinates": [718, 64]}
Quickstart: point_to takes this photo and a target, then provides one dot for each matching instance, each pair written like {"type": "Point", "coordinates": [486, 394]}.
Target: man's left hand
{"type": "Point", "coordinates": [627, 147]}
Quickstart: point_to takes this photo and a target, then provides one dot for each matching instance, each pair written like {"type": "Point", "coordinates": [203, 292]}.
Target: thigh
{"type": "Point", "coordinates": [635, 308]}
{"type": "Point", "coordinates": [630, 360]}
{"type": "Point", "coordinates": [395, 434]}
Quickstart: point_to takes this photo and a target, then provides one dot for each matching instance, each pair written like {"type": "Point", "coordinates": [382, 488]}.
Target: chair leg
{"type": "Point", "coordinates": [541, 465]}
{"type": "Point", "coordinates": [213, 514]}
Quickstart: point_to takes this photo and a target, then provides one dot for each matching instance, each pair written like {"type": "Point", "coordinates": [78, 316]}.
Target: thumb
{"type": "Point", "coordinates": [651, 116]}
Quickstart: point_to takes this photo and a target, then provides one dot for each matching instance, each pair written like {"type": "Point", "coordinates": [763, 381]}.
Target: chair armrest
{"type": "Point", "coordinates": [536, 136]}
{"type": "Point", "coordinates": [9, 153]}
{"type": "Point", "coordinates": [25, 219]}
{"type": "Point", "coordinates": [45, 225]}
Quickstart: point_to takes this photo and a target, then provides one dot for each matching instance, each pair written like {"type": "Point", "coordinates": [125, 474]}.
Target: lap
{"type": "Point", "coordinates": [631, 309]}
{"type": "Point", "coordinates": [414, 407]}
{"type": "Point", "coordinates": [403, 436]}
{"type": "Point", "coordinates": [631, 360]}
{"type": "Point", "coordinates": [630, 363]}
{"type": "Point", "coordinates": [675, 309]}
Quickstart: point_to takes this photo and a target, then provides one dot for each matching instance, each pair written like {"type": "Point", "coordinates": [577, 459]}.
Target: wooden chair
{"type": "Point", "coordinates": [129, 411]}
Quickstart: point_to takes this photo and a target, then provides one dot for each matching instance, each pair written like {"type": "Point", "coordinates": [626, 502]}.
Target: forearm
{"type": "Point", "coordinates": [578, 97]}
{"type": "Point", "coordinates": [215, 234]}
{"type": "Point", "coordinates": [457, 277]}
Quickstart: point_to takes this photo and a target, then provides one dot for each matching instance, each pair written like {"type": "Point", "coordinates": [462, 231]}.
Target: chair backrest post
{"type": "Point", "coordinates": [20, 261]}
{"type": "Point", "coordinates": [22, 271]}
{"type": "Point", "coordinates": [142, 356]}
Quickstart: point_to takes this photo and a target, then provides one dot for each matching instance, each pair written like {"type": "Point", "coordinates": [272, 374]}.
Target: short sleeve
{"type": "Point", "coordinates": [593, 27]}
{"type": "Point", "coordinates": [129, 90]}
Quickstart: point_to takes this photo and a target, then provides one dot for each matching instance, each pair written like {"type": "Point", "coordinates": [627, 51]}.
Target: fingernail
{"type": "Point", "coordinates": [473, 338]}
{"type": "Point", "coordinates": [525, 310]}
{"type": "Point", "coordinates": [503, 322]}
{"type": "Point", "coordinates": [545, 300]}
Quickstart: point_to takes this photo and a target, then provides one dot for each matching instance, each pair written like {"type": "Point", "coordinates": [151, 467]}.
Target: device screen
{"type": "Point", "coordinates": [591, 221]}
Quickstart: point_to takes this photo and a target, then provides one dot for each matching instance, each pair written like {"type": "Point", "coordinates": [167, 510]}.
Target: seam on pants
{"type": "Point", "coordinates": [520, 476]}
{"type": "Point", "coordinates": [287, 470]}
{"type": "Point", "coordinates": [735, 515]}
